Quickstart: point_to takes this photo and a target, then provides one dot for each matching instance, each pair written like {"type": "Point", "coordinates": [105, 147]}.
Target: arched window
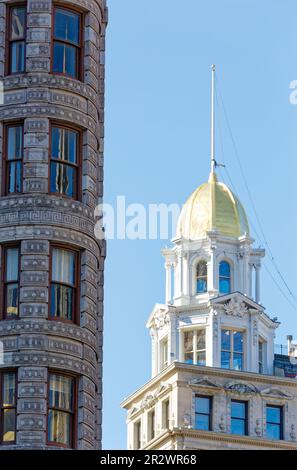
{"type": "Point", "coordinates": [201, 277]}
{"type": "Point", "coordinates": [225, 278]}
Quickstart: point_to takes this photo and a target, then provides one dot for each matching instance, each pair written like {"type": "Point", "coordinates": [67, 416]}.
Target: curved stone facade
{"type": "Point", "coordinates": [35, 345]}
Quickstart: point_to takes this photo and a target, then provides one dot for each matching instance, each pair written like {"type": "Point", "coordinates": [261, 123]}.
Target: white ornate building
{"type": "Point", "coordinates": [214, 383]}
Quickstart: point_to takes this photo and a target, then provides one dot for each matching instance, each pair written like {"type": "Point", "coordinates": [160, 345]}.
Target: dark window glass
{"type": "Point", "coordinates": [201, 277]}
{"type": "Point", "coordinates": [224, 278]}
{"type": "Point", "coordinates": [63, 285]}
{"type": "Point", "coordinates": [64, 162]}
{"type": "Point", "coordinates": [137, 435]}
{"type": "Point", "coordinates": [14, 159]}
{"type": "Point", "coordinates": [66, 53]}
{"type": "Point", "coordinates": [11, 283]}
{"type": "Point", "coordinates": [17, 39]}
{"type": "Point", "coordinates": [61, 410]}
{"type": "Point", "coordinates": [274, 422]}
{"type": "Point", "coordinates": [203, 407]}
{"type": "Point", "coordinates": [151, 425]}
{"type": "Point", "coordinates": [8, 407]}
{"type": "Point", "coordinates": [239, 418]}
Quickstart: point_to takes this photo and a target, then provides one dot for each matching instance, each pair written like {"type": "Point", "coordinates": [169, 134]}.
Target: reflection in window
{"type": "Point", "coordinates": [8, 407]}
{"type": "Point", "coordinates": [224, 278]}
{"type": "Point", "coordinates": [17, 39]}
{"type": "Point", "coordinates": [195, 347]}
{"type": "Point", "coordinates": [232, 350]}
{"type": "Point", "coordinates": [239, 415]}
{"type": "Point", "coordinates": [14, 158]}
{"type": "Point", "coordinates": [274, 422]}
{"type": "Point", "coordinates": [11, 282]}
{"type": "Point", "coordinates": [61, 410]}
{"type": "Point", "coordinates": [201, 276]}
{"type": "Point", "coordinates": [67, 42]}
{"type": "Point", "coordinates": [64, 162]}
{"type": "Point", "coordinates": [203, 406]}
{"type": "Point", "coordinates": [63, 284]}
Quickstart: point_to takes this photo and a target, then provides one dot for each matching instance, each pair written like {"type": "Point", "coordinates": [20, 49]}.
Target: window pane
{"type": "Point", "coordinates": [202, 269]}
{"type": "Point", "coordinates": [225, 286]}
{"type": "Point", "coordinates": [238, 427]}
{"type": "Point", "coordinates": [64, 145]}
{"type": "Point", "coordinates": [9, 425]}
{"type": "Point", "coordinates": [8, 389]}
{"type": "Point", "coordinates": [202, 422]}
{"type": "Point", "coordinates": [188, 341]}
{"type": "Point", "coordinates": [202, 405]}
{"type": "Point", "coordinates": [14, 183]}
{"type": "Point", "coordinates": [67, 26]}
{"type": "Point", "coordinates": [62, 298]}
{"type": "Point", "coordinates": [226, 340]}
{"type": "Point", "coordinates": [200, 339]}
{"type": "Point", "coordinates": [17, 57]}
{"type": "Point", "coordinates": [63, 179]}
{"type": "Point", "coordinates": [273, 415]}
{"type": "Point", "coordinates": [59, 425]}
{"type": "Point", "coordinates": [201, 358]}
{"type": "Point", "coordinates": [15, 142]}
{"type": "Point", "coordinates": [61, 392]}
{"type": "Point", "coordinates": [65, 59]}
{"type": "Point", "coordinates": [63, 266]}
{"type": "Point", "coordinates": [12, 264]}
{"type": "Point", "coordinates": [273, 431]}
{"type": "Point", "coordinates": [238, 341]}
{"type": "Point", "coordinates": [224, 269]}
{"type": "Point", "coordinates": [189, 358]}
{"type": "Point", "coordinates": [238, 409]}
{"type": "Point", "coordinates": [225, 360]}
{"type": "Point", "coordinates": [201, 286]}
{"type": "Point", "coordinates": [12, 300]}
{"type": "Point", "coordinates": [17, 23]}
{"type": "Point", "coordinates": [237, 361]}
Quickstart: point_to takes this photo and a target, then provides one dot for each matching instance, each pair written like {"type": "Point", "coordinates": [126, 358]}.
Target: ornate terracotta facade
{"type": "Point", "coordinates": [37, 219]}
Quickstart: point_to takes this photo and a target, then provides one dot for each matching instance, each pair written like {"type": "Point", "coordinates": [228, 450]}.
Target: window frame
{"type": "Point", "coordinates": [4, 248]}
{"type": "Point", "coordinates": [75, 287]}
{"type": "Point", "coordinates": [210, 417]}
{"type": "Point", "coordinates": [73, 428]}
{"type": "Point", "coordinates": [245, 419]}
{"type": "Point", "coordinates": [79, 48]}
{"type": "Point", "coordinates": [151, 424]}
{"type": "Point", "coordinates": [2, 372]}
{"type": "Point", "coordinates": [204, 278]}
{"type": "Point", "coordinates": [6, 161]}
{"type": "Point", "coordinates": [137, 434]}
{"type": "Point", "coordinates": [164, 353]}
{"type": "Point", "coordinates": [77, 166]}
{"type": "Point", "coordinates": [232, 351]}
{"type": "Point", "coordinates": [225, 277]}
{"type": "Point", "coordinates": [195, 351]}
{"type": "Point", "coordinates": [281, 424]}
{"type": "Point", "coordinates": [9, 41]}
{"type": "Point", "coordinates": [166, 413]}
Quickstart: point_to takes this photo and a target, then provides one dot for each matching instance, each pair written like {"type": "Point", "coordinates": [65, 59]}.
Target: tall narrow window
{"type": "Point", "coordinates": [195, 347]}
{"type": "Point", "coordinates": [64, 162]}
{"type": "Point", "coordinates": [61, 410]}
{"type": "Point", "coordinates": [203, 408]}
{"type": "Point", "coordinates": [166, 414]}
{"type": "Point", "coordinates": [274, 422]}
{"type": "Point", "coordinates": [201, 276]}
{"type": "Point", "coordinates": [17, 39]}
{"type": "Point", "coordinates": [224, 278]}
{"type": "Point", "coordinates": [67, 42]}
{"type": "Point", "coordinates": [63, 297]}
{"type": "Point", "coordinates": [137, 435]}
{"type": "Point", "coordinates": [239, 417]}
{"type": "Point", "coordinates": [7, 407]}
{"type": "Point", "coordinates": [164, 353]}
{"type": "Point", "coordinates": [151, 425]}
{"type": "Point", "coordinates": [11, 282]}
{"type": "Point", "coordinates": [14, 159]}
{"type": "Point", "coordinates": [261, 355]}
{"type": "Point", "coordinates": [232, 351]}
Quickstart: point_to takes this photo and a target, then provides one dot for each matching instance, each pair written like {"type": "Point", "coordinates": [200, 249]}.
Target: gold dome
{"type": "Point", "coordinates": [212, 206]}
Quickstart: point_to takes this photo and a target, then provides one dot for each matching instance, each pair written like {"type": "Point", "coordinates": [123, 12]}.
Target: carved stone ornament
{"type": "Point", "coordinates": [241, 388]}
{"type": "Point", "coordinates": [236, 308]}
{"type": "Point", "coordinates": [161, 318]}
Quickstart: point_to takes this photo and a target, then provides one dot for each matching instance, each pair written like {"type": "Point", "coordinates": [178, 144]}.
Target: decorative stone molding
{"type": "Point", "coordinates": [241, 388]}
{"type": "Point", "coordinates": [236, 307]}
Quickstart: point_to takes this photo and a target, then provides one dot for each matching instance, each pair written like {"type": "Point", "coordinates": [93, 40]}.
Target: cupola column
{"type": "Point", "coordinates": [258, 269]}
{"type": "Point", "coordinates": [168, 293]}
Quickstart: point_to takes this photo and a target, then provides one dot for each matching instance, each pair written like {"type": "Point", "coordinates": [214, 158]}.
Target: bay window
{"type": "Point", "coordinates": [232, 353]}
{"type": "Point", "coordinates": [64, 282]}
{"type": "Point", "coordinates": [16, 39]}
{"type": "Point", "coordinates": [13, 152]}
{"type": "Point", "coordinates": [64, 164]}
{"type": "Point", "coordinates": [7, 407]}
{"type": "Point", "coordinates": [194, 346]}
{"type": "Point", "coordinates": [11, 282]}
{"type": "Point", "coordinates": [61, 410]}
{"type": "Point", "coordinates": [67, 42]}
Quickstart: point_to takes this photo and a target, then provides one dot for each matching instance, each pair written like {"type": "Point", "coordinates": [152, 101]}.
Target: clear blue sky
{"type": "Point", "coordinates": [158, 61]}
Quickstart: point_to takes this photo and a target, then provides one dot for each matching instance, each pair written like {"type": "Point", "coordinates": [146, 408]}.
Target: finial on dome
{"type": "Point", "coordinates": [212, 153]}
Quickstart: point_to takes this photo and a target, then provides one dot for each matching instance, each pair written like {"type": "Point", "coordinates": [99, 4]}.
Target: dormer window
{"type": "Point", "coordinates": [224, 278]}
{"type": "Point", "coordinates": [201, 277]}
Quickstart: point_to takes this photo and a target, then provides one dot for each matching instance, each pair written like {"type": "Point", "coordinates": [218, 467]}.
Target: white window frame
{"type": "Point", "coordinates": [164, 353]}
{"type": "Point", "coordinates": [151, 424]}
{"type": "Point", "coordinates": [166, 410]}
{"type": "Point", "coordinates": [232, 330]}
{"type": "Point", "coordinates": [195, 350]}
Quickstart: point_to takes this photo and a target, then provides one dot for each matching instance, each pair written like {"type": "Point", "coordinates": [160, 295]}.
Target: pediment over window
{"type": "Point", "coordinates": [133, 410]}
{"type": "Point", "coordinates": [159, 317]}
{"type": "Point", "coordinates": [236, 304]}
{"type": "Point", "coordinates": [241, 388]}
{"type": "Point", "coordinates": [204, 382]}
{"type": "Point", "coordinates": [148, 401]}
{"type": "Point", "coordinates": [163, 387]}
{"type": "Point", "coordinates": [274, 392]}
